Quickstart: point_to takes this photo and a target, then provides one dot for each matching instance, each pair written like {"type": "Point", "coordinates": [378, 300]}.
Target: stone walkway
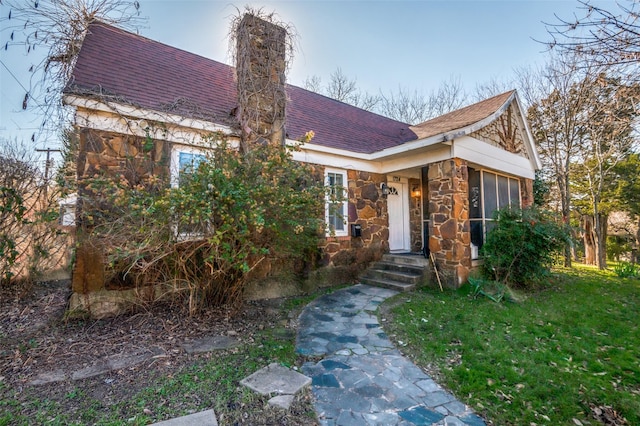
{"type": "Point", "coordinates": [362, 379]}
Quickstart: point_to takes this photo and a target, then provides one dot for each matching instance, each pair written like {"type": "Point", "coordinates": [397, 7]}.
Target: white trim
{"type": "Point", "coordinates": [174, 165]}
{"type": "Point", "coordinates": [350, 162]}
{"type": "Point", "coordinates": [491, 157]}
{"type": "Point", "coordinates": [533, 153]}
{"type": "Point", "coordinates": [124, 110]}
{"type": "Point", "coordinates": [345, 203]}
{"type": "Point", "coordinates": [121, 118]}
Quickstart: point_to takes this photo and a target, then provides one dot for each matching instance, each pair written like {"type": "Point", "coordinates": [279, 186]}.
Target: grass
{"type": "Point", "coordinates": [210, 382]}
{"type": "Point", "coordinates": [546, 360]}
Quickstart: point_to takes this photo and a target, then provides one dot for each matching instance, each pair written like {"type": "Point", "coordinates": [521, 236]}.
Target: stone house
{"type": "Point", "coordinates": [430, 187]}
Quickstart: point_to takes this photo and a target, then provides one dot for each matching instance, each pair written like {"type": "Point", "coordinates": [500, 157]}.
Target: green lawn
{"type": "Point", "coordinates": [549, 359]}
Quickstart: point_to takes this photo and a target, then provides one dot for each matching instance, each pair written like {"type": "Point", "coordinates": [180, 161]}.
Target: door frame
{"type": "Point", "coordinates": [401, 223]}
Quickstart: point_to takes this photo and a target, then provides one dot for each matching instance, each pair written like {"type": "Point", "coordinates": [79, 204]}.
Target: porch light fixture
{"type": "Point", "coordinates": [385, 189]}
{"type": "Point", "coordinates": [415, 191]}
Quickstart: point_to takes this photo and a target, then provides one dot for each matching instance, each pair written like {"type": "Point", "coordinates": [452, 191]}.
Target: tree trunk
{"type": "Point", "coordinates": [588, 237]}
{"type": "Point", "coordinates": [565, 200]}
{"type": "Point", "coordinates": [634, 250]}
{"type": "Point", "coordinates": [600, 233]}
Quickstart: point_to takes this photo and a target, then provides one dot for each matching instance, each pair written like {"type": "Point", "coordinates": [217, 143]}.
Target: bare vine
{"type": "Point", "coordinates": [58, 26]}
{"type": "Point", "coordinates": [262, 48]}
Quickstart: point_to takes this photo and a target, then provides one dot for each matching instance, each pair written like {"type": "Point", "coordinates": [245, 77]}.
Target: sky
{"type": "Point", "coordinates": [384, 45]}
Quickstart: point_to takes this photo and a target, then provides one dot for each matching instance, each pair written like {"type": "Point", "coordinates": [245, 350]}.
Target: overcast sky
{"type": "Point", "coordinates": [383, 44]}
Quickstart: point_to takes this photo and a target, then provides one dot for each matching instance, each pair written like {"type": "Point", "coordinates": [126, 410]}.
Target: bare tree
{"type": "Point", "coordinates": [610, 116]}
{"type": "Point", "coordinates": [414, 107]}
{"type": "Point", "coordinates": [404, 105]}
{"type": "Point", "coordinates": [344, 89]}
{"type": "Point", "coordinates": [58, 26]}
{"type": "Point", "coordinates": [313, 83]}
{"type": "Point", "coordinates": [491, 88]}
{"type": "Point", "coordinates": [608, 35]}
{"type": "Point", "coordinates": [558, 125]}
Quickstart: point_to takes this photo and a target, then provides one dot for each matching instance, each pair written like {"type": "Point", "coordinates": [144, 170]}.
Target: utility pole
{"type": "Point", "coordinates": [46, 168]}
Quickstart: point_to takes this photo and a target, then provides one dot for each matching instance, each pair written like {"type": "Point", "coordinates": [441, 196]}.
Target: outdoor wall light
{"type": "Point", "coordinates": [415, 191]}
{"type": "Point", "coordinates": [385, 189]}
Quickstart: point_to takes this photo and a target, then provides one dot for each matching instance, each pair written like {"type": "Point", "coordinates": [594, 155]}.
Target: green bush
{"type": "Point", "coordinates": [229, 214]}
{"type": "Point", "coordinates": [522, 246]}
{"type": "Point", "coordinates": [626, 270]}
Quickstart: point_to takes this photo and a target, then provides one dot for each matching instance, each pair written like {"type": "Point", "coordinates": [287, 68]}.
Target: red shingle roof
{"type": "Point", "coordinates": [125, 67]}
{"type": "Point", "coordinates": [462, 117]}
{"type": "Point", "coordinates": [131, 69]}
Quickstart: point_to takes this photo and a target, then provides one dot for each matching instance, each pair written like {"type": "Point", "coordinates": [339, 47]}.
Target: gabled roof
{"type": "Point", "coordinates": [463, 117]}
{"type": "Point", "coordinates": [120, 66]}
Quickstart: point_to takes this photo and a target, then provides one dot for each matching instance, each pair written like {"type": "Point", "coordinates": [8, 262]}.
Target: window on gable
{"type": "Point", "coordinates": [488, 192]}
{"type": "Point", "coordinates": [336, 202]}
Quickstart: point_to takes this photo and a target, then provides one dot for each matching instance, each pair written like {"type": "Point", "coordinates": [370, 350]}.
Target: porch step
{"type": "Point", "coordinates": [397, 272]}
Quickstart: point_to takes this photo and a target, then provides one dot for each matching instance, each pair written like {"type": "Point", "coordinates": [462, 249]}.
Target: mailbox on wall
{"type": "Point", "coordinates": [356, 230]}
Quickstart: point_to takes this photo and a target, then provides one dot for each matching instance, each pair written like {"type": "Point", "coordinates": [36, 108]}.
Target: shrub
{"type": "Point", "coordinates": [626, 270]}
{"type": "Point", "coordinates": [229, 214]}
{"type": "Point", "coordinates": [522, 246]}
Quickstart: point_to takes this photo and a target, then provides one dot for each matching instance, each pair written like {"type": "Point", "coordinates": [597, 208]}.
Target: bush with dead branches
{"type": "Point", "coordinates": [202, 239]}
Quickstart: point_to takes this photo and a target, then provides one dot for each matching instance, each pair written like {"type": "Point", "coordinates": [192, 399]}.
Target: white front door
{"type": "Point", "coordinates": [398, 206]}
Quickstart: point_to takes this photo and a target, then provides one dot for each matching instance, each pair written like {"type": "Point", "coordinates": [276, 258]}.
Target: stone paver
{"type": "Point", "coordinates": [210, 343]}
{"type": "Point", "coordinates": [101, 366]}
{"type": "Point", "coordinates": [203, 418]}
{"type": "Point", "coordinates": [362, 379]}
{"type": "Point", "coordinates": [276, 379]}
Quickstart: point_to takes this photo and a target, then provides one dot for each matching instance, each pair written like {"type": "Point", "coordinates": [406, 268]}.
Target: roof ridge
{"type": "Point", "coordinates": [126, 32]}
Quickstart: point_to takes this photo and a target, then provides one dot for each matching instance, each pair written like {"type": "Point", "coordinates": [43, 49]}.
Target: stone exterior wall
{"type": "Point", "coordinates": [368, 209]}
{"type": "Point", "coordinates": [449, 231]}
{"type": "Point", "coordinates": [504, 133]}
{"type": "Point", "coordinates": [119, 156]}
{"type": "Point", "coordinates": [415, 215]}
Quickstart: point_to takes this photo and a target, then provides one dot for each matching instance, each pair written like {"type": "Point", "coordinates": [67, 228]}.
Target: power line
{"type": "Point", "coordinates": [14, 77]}
{"type": "Point", "coordinates": [23, 88]}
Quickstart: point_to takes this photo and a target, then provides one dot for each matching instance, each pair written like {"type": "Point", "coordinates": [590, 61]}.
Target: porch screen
{"type": "Point", "coordinates": [488, 192]}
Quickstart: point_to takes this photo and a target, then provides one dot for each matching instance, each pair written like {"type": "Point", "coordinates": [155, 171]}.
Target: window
{"type": "Point", "coordinates": [184, 160]}
{"type": "Point", "coordinates": [488, 192]}
{"type": "Point", "coordinates": [336, 202]}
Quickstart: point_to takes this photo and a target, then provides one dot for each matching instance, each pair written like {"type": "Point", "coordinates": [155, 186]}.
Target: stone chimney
{"type": "Point", "coordinates": [260, 67]}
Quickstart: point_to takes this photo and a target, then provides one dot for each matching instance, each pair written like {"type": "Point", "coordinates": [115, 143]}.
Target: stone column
{"type": "Point", "coordinates": [449, 231]}
{"type": "Point", "coordinates": [260, 68]}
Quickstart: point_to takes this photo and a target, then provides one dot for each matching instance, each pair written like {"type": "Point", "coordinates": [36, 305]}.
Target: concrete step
{"type": "Point", "coordinates": [401, 272]}
{"type": "Point", "coordinates": [393, 285]}
{"type": "Point", "coordinates": [406, 259]}
{"type": "Point", "coordinates": [409, 277]}
{"type": "Point", "coordinates": [398, 267]}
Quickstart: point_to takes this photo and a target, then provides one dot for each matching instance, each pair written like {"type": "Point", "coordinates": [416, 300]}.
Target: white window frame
{"type": "Point", "coordinates": [345, 213]}
{"type": "Point", "coordinates": [174, 176]}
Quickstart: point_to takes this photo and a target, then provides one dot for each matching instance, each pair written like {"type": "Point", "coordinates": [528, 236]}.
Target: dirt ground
{"type": "Point", "coordinates": [35, 338]}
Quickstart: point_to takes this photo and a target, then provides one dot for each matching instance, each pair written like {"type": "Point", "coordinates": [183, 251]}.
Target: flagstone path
{"type": "Point", "coordinates": [362, 379]}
